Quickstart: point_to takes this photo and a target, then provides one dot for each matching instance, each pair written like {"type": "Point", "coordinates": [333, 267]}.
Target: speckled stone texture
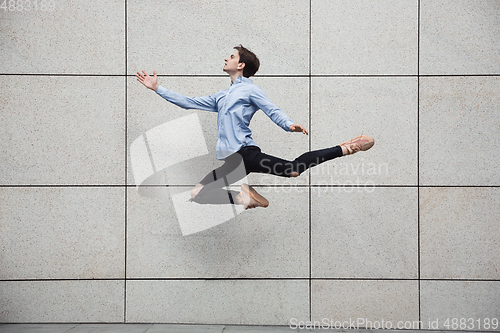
{"type": "Point", "coordinates": [459, 233]}
{"type": "Point", "coordinates": [62, 233]}
{"type": "Point", "coordinates": [459, 37]}
{"type": "Point", "coordinates": [363, 300]}
{"type": "Point", "coordinates": [63, 130]}
{"type": "Point", "coordinates": [62, 301]}
{"type": "Point", "coordinates": [62, 37]}
{"type": "Point", "coordinates": [214, 301]}
{"type": "Point", "coordinates": [364, 37]}
{"type": "Point", "coordinates": [460, 131]}
{"type": "Point", "coordinates": [364, 233]}
{"type": "Point", "coordinates": [382, 107]}
{"type": "Point", "coordinates": [193, 37]}
{"type": "Point", "coordinates": [254, 244]}
{"type": "Point", "coordinates": [406, 230]}
{"type": "Point", "coordinates": [447, 303]}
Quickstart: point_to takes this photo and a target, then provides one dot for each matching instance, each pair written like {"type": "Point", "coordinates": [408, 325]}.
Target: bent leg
{"type": "Point", "coordinates": [211, 190]}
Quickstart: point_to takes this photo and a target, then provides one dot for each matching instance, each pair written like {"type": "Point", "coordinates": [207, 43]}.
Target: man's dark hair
{"type": "Point", "coordinates": [251, 61]}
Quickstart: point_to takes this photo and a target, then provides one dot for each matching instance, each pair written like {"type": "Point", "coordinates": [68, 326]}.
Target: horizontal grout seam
{"type": "Point", "coordinates": [256, 76]}
{"type": "Point", "coordinates": [267, 185]}
{"type": "Point", "coordinates": [254, 279]}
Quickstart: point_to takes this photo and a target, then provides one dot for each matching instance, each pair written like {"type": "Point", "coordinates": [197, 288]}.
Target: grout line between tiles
{"type": "Point", "coordinates": [126, 170]}
{"type": "Point", "coordinates": [418, 166]}
{"type": "Point", "coordinates": [255, 279]}
{"type": "Point", "coordinates": [309, 174]}
{"type": "Point", "coordinates": [256, 76]}
{"type": "Point", "coordinates": [264, 185]}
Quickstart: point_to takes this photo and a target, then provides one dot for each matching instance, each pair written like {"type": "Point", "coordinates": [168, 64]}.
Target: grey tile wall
{"type": "Point", "coordinates": [62, 301]}
{"type": "Point", "coordinates": [406, 232]}
{"type": "Point", "coordinates": [362, 300]}
{"type": "Point", "coordinates": [364, 37]}
{"type": "Point", "coordinates": [253, 302]}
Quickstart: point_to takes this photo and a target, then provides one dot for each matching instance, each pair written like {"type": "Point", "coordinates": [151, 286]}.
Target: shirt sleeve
{"type": "Point", "coordinates": [260, 99]}
{"type": "Point", "coordinates": [206, 103]}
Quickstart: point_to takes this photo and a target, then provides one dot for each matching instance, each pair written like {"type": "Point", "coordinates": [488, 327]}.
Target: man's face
{"type": "Point", "coordinates": [231, 63]}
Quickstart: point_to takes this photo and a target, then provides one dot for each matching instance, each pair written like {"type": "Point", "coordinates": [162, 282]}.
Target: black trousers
{"type": "Point", "coordinates": [250, 159]}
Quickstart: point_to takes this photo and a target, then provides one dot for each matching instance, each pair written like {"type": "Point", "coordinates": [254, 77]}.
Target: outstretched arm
{"type": "Point", "coordinates": [259, 98]}
{"type": "Point", "coordinates": [148, 81]}
{"type": "Point", "coordinates": [207, 103]}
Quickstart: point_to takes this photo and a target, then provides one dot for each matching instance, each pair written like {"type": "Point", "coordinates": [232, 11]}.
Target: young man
{"type": "Point", "coordinates": [235, 107]}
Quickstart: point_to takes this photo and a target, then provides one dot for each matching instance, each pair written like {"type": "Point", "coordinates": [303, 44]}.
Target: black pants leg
{"type": "Point", "coordinates": [256, 161]}
{"type": "Point", "coordinates": [229, 173]}
{"type": "Point", "coordinates": [251, 159]}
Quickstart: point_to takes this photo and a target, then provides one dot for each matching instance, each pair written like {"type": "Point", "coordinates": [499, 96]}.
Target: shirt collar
{"type": "Point", "coordinates": [241, 79]}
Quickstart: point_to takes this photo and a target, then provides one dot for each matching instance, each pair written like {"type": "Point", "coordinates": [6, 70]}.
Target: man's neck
{"type": "Point", "coordinates": [235, 75]}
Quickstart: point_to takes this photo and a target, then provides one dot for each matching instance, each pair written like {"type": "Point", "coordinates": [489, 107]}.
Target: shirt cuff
{"type": "Point", "coordinates": [288, 124]}
{"type": "Point", "coordinates": [161, 90]}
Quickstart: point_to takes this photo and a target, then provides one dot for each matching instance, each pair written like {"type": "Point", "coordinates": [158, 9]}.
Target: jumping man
{"type": "Point", "coordinates": [235, 107]}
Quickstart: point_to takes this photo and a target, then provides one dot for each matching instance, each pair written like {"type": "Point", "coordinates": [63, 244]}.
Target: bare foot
{"type": "Point", "coordinates": [195, 190]}
{"type": "Point", "coordinates": [252, 199]}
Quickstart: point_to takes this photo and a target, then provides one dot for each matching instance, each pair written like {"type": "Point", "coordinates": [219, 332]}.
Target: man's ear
{"type": "Point", "coordinates": [240, 66]}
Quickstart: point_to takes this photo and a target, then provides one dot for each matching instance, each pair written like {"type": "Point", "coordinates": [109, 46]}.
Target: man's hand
{"type": "Point", "coordinates": [148, 81]}
{"type": "Point", "coordinates": [298, 128]}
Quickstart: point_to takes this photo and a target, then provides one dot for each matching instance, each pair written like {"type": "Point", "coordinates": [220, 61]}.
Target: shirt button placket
{"type": "Point", "coordinates": [221, 126]}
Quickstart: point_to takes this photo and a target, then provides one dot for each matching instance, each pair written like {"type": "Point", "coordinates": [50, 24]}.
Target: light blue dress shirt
{"type": "Point", "coordinates": [235, 107]}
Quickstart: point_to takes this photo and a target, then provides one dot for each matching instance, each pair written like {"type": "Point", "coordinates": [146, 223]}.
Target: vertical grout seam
{"type": "Point", "coordinates": [126, 179]}
{"type": "Point", "coordinates": [418, 163]}
{"type": "Point", "coordinates": [309, 175]}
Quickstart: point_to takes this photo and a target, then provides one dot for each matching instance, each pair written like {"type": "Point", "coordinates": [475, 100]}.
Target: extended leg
{"type": "Point", "coordinates": [264, 163]}
{"type": "Point", "coordinates": [256, 161]}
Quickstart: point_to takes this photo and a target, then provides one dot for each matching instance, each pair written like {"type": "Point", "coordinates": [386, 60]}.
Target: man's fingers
{"type": "Point", "coordinates": [139, 76]}
{"type": "Point", "coordinates": [300, 128]}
